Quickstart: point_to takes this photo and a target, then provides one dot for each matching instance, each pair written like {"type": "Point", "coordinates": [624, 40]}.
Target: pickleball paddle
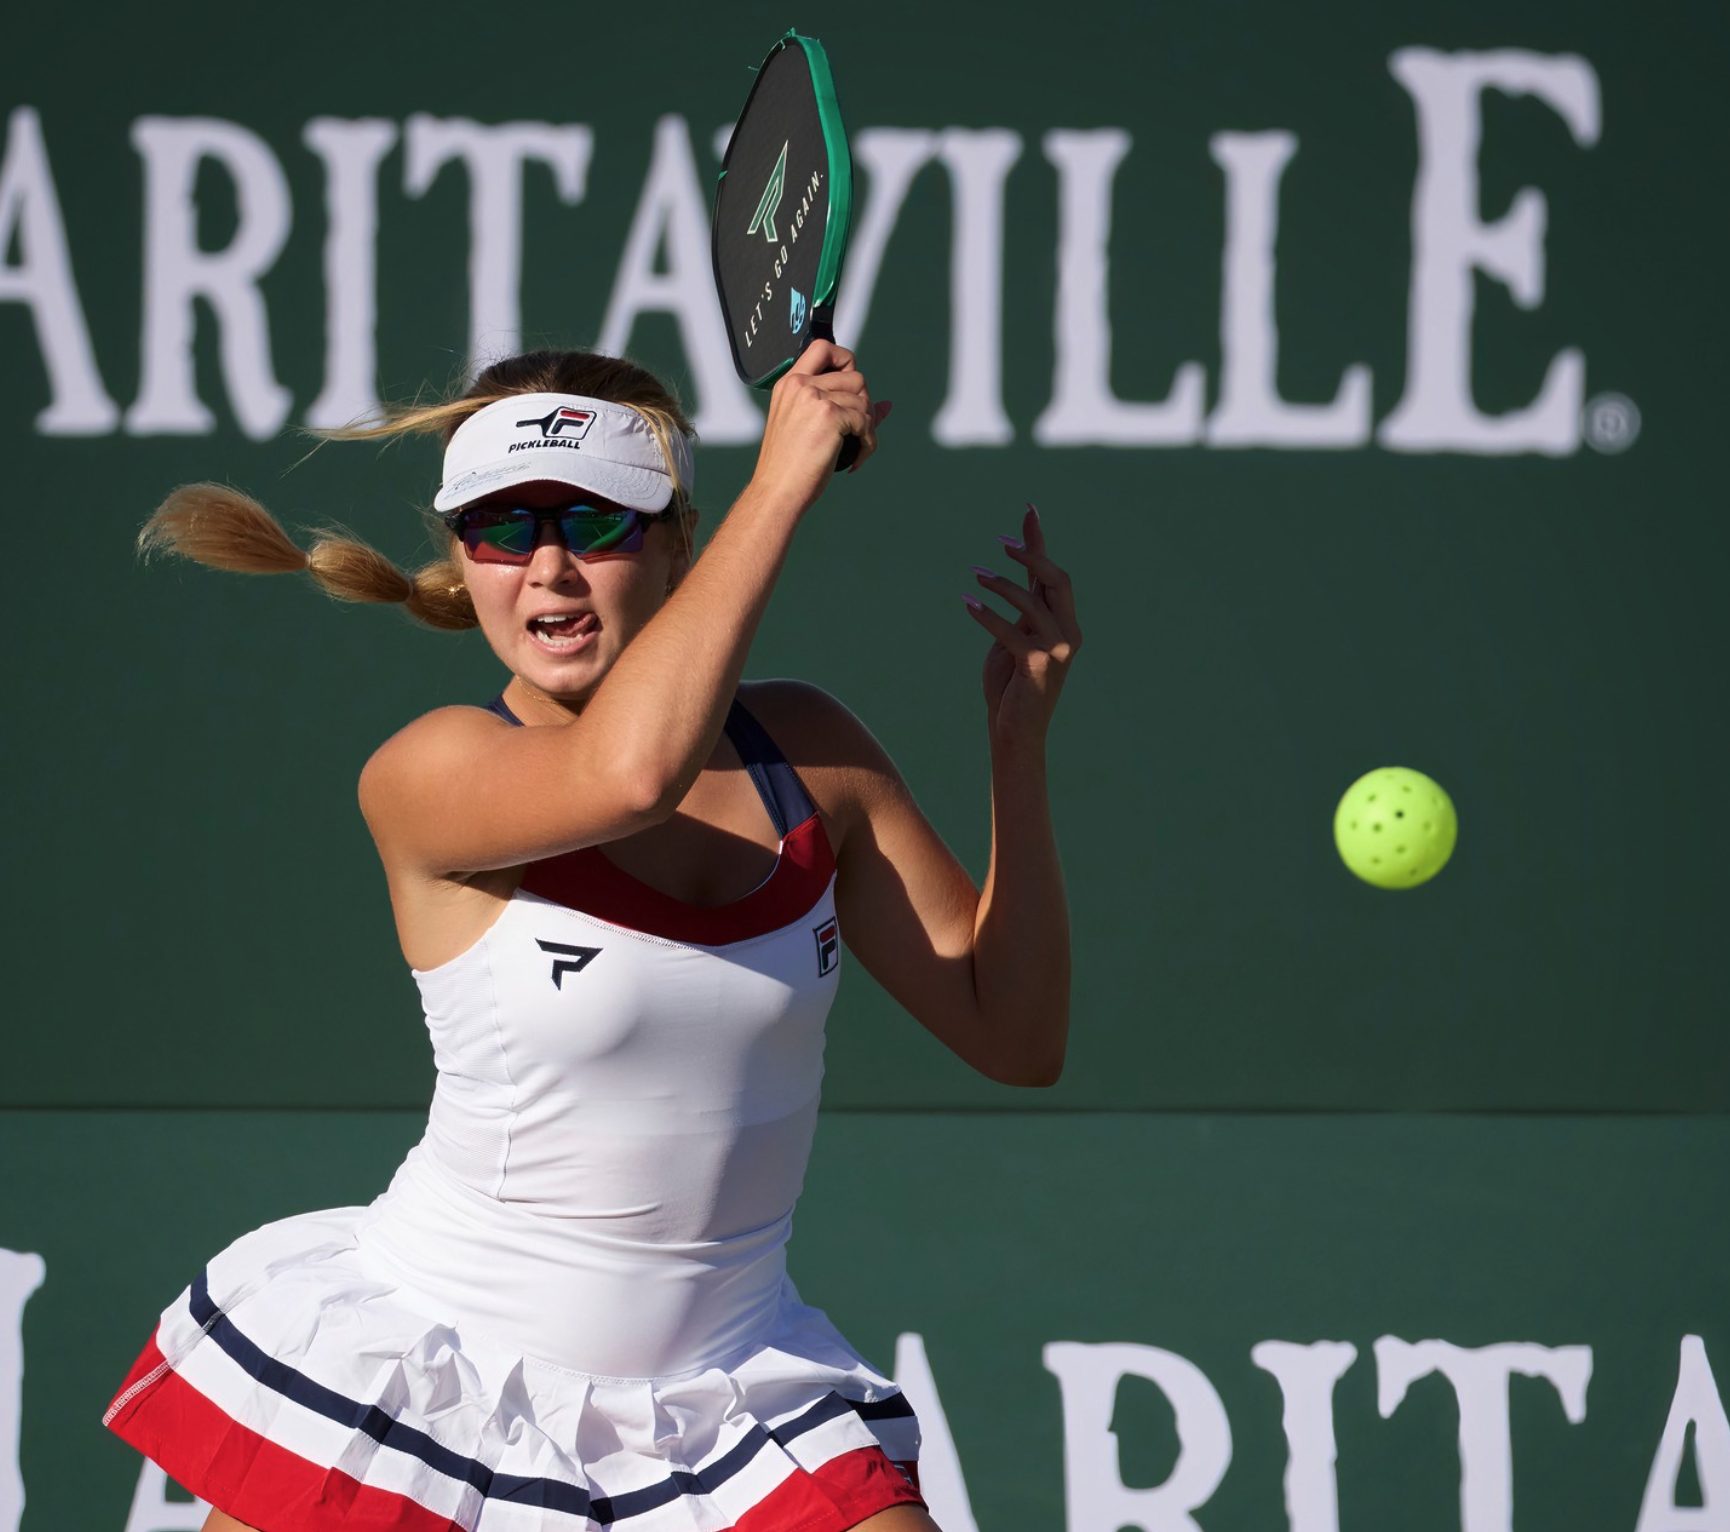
{"type": "Point", "coordinates": [783, 206]}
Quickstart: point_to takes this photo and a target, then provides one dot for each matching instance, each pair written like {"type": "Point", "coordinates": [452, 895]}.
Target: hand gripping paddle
{"type": "Point", "coordinates": [782, 209]}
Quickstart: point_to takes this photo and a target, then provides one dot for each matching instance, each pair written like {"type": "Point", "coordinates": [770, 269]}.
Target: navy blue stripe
{"type": "Point", "coordinates": [778, 785]}
{"type": "Point", "coordinates": [550, 1494]}
{"type": "Point", "coordinates": [503, 709]}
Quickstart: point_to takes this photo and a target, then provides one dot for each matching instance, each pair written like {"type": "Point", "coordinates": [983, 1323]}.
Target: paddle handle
{"type": "Point", "coordinates": [822, 329]}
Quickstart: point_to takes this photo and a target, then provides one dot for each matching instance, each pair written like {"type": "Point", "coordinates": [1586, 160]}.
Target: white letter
{"type": "Point", "coordinates": [177, 272]}
{"type": "Point", "coordinates": [1083, 410]}
{"type": "Point", "coordinates": [351, 152]}
{"type": "Point", "coordinates": [977, 162]}
{"type": "Point", "coordinates": [1696, 1403]}
{"type": "Point", "coordinates": [893, 157]}
{"type": "Point", "coordinates": [1097, 1498]}
{"type": "Point", "coordinates": [1250, 411]}
{"type": "Point", "coordinates": [672, 210]}
{"type": "Point", "coordinates": [153, 1511]}
{"type": "Point", "coordinates": [30, 216]}
{"type": "Point", "coordinates": [1306, 1376]}
{"type": "Point", "coordinates": [1450, 243]}
{"type": "Point", "coordinates": [1479, 1376]}
{"type": "Point", "coordinates": [493, 154]}
{"type": "Point", "coordinates": [20, 1276]}
{"type": "Point", "coordinates": [940, 1479]}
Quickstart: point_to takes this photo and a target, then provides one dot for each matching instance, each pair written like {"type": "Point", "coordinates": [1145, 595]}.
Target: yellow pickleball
{"type": "Point", "coordinates": [1395, 827]}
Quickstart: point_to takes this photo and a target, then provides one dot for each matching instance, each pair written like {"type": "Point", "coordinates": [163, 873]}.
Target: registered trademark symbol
{"type": "Point", "coordinates": [1610, 423]}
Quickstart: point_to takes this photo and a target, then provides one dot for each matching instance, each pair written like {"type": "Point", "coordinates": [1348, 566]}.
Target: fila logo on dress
{"type": "Point", "coordinates": [828, 945]}
{"type": "Point", "coordinates": [574, 960]}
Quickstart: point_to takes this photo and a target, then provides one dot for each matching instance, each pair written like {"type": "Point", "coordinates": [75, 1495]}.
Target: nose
{"type": "Point", "coordinates": [552, 563]}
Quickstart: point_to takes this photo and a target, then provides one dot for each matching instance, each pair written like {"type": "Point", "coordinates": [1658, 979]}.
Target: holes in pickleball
{"type": "Point", "coordinates": [1399, 813]}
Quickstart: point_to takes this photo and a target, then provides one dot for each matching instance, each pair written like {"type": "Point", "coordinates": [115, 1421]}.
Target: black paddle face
{"type": "Point", "coordinates": [781, 213]}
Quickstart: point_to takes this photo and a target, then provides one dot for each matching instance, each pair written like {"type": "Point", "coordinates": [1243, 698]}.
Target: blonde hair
{"type": "Point", "coordinates": [224, 528]}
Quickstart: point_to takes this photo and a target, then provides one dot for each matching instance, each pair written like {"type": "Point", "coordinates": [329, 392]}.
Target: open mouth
{"type": "Point", "coordinates": [564, 632]}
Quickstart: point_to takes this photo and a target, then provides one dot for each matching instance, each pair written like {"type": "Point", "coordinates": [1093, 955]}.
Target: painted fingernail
{"type": "Point", "coordinates": [1010, 542]}
{"type": "Point", "coordinates": [978, 606]}
{"type": "Point", "coordinates": [1034, 509]}
{"type": "Point", "coordinates": [983, 572]}
{"type": "Point", "coordinates": [885, 405]}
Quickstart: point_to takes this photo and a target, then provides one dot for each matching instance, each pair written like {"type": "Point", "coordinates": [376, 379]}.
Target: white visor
{"type": "Point", "coordinates": [587, 443]}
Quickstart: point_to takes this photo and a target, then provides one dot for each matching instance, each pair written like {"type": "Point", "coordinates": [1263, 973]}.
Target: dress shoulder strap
{"type": "Point", "coordinates": [777, 784]}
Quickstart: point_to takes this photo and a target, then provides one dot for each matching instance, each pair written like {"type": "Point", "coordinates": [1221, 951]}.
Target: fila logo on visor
{"type": "Point", "coordinates": [564, 421]}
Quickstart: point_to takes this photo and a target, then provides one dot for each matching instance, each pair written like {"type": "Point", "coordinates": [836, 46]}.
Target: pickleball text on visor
{"type": "Point", "coordinates": [593, 444]}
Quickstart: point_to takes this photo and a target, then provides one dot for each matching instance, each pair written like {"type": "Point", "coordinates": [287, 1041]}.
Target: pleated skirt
{"type": "Point", "coordinates": [294, 1387]}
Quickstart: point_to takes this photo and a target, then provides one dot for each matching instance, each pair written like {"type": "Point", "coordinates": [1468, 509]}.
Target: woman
{"type": "Point", "coordinates": [570, 1307]}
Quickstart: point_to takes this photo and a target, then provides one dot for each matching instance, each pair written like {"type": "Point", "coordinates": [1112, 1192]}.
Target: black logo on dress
{"type": "Point", "coordinates": [828, 945]}
{"type": "Point", "coordinates": [575, 959]}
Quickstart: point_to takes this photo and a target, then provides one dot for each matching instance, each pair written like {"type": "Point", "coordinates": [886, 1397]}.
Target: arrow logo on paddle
{"type": "Point", "coordinates": [764, 217]}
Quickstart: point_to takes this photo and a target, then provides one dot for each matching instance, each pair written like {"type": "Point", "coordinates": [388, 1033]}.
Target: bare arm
{"type": "Point", "coordinates": [630, 756]}
{"type": "Point", "coordinates": [985, 971]}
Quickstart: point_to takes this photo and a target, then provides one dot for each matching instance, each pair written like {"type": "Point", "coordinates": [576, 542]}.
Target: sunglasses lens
{"type": "Point", "coordinates": [588, 532]}
{"type": "Point", "coordinates": [499, 536]}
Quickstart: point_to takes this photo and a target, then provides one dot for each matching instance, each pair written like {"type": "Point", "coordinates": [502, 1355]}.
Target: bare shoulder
{"type": "Point", "coordinates": [836, 755]}
{"type": "Point", "coordinates": [426, 741]}
{"type": "Point", "coordinates": [442, 741]}
{"type": "Point", "coordinates": [813, 727]}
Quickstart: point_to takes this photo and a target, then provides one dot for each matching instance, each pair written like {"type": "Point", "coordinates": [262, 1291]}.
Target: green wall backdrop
{"type": "Point", "coordinates": [1366, 364]}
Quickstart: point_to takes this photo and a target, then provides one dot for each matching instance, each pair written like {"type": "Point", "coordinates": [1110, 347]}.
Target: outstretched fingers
{"type": "Point", "coordinates": [1045, 577]}
{"type": "Point", "coordinates": [1038, 620]}
{"type": "Point", "coordinates": [1005, 632]}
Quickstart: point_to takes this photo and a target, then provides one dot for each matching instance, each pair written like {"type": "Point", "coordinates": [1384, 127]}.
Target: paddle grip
{"type": "Point", "coordinates": [822, 329]}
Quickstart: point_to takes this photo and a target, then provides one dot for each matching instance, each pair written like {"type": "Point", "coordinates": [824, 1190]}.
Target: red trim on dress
{"type": "Point", "coordinates": [248, 1475]}
{"type": "Point", "coordinates": [586, 881]}
{"type": "Point", "coordinates": [842, 1493]}
{"type": "Point", "coordinates": [264, 1485]}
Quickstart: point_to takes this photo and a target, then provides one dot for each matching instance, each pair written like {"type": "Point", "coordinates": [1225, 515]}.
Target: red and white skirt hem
{"type": "Point", "coordinates": [295, 1392]}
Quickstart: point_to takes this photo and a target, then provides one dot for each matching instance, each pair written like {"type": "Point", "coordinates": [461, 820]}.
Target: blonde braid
{"type": "Point", "coordinates": [222, 528]}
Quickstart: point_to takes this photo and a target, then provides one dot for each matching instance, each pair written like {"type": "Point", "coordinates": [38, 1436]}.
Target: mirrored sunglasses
{"type": "Point", "coordinates": [510, 534]}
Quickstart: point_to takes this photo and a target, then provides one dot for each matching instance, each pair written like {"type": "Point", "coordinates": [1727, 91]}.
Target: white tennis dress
{"type": "Point", "coordinates": [571, 1307]}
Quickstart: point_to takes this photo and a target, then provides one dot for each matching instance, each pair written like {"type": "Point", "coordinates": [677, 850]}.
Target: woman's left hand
{"type": "Point", "coordinates": [1026, 666]}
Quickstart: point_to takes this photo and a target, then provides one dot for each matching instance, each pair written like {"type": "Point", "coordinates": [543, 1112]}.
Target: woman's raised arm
{"type": "Point", "coordinates": [985, 971]}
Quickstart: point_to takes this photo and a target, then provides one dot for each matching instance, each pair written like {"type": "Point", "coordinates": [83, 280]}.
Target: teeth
{"type": "Point", "coordinates": [583, 624]}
